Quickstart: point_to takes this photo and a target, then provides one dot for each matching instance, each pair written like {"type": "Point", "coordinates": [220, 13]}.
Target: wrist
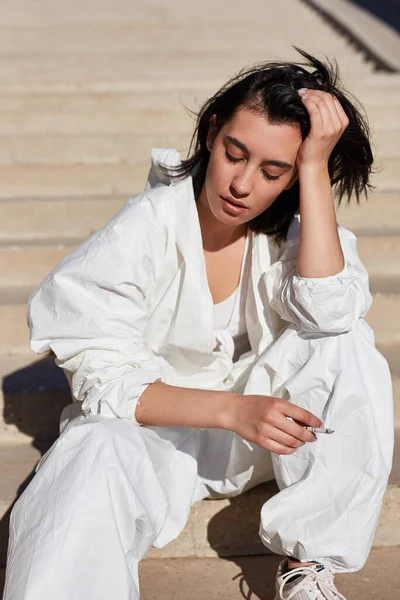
{"type": "Point", "coordinates": [225, 417]}
{"type": "Point", "coordinates": [313, 168]}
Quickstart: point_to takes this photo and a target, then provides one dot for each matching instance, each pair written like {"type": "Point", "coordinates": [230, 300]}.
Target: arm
{"type": "Point", "coordinates": [320, 253]}
{"type": "Point", "coordinates": [166, 405]}
{"type": "Point", "coordinates": [318, 282]}
{"type": "Point", "coordinates": [260, 419]}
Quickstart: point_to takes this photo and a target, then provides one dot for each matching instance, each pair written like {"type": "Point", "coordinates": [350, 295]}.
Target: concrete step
{"type": "Point", "coordinates": [253, 577]}
{"type": "Point", "coordinates": [129, 17]}
{"type": "Point", "coordinates": [67, 219]}
{"type": "Point", "coordinates": [124, 41]}
{"type": "Point", "coordinates": [15, 336]}
{"type": "Point", "coordinates": [135, 121]}
{"type": "Point", "coordinates": [379, 215]}
{"type": "Point", "coordinates": [73, 180]}
{"type": "Point", "coordinates": [153, 22]}
{"type": "Point", "coordinates": [33, 393]}
{"type": "Point", "coordinates": [380, 85]}
{"type": "Point", "coordinates": [119, 38]}
{"type": "Point", "coordinates": [136, 95]}
{"type": "Point", "coordinates": [106, 101]}
{"type": "Point", "coordinates": [380, 256]}
{"type": "Point", "coordinates": [106, 149]}
{"type": "Point", "coordinates": [385, 144]}
{"type": "Point", "coordinates": [209, 63]}
{"type": "Point", "coordinates": [382, 317]}
{"type": "Point", "coordinates": [114, 179]}
{"type": "Point", "coordinates": [229, 579]}
{"type": "Point", "coordinates": [23, 264]}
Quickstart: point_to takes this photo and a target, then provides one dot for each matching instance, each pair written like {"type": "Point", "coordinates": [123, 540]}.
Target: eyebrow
{"type": "Point", "coordinates": [276, 163]}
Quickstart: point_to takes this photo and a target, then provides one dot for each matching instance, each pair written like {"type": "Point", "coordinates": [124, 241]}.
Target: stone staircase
{"type": "Point", "coordinates": [86, 90]}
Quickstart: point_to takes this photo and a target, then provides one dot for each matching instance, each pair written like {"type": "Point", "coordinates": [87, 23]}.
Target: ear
{"type": "Point", "coordinates": [212, 125]}
{"type": "Point", "coordinates": [293, 179]}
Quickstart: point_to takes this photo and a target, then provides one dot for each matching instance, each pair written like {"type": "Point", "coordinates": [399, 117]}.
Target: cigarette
{"type": "Point", "coordinates": [319, 430]}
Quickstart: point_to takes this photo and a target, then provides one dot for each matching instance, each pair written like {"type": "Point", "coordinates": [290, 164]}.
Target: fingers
{"type": "Point", "coordinates": [311, 105]}
{"type": "Point", "coordinates": [278, 433]}
{"type": "Point", "coordinates": [300, 414]}
{"type": "Point", "coordinates": [343, 118]}
{"type": "Point", "coordinates": [285, 439]}
{"type": "Point", "coordinates": [273, 446]}
{"type": "Point", "coordinates": [319, 109]}
{"type": "Point", "coordinates": [325, 109]}
{"type": "Point", "coordinates": [295, 431]}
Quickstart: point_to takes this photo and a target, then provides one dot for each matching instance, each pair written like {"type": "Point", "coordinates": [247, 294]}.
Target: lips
{"type": "Point", "coordinates": [234, 202]}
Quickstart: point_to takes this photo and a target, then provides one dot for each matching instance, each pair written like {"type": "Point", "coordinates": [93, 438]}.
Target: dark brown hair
{"type": "Point", "coordinates": [270, 88]}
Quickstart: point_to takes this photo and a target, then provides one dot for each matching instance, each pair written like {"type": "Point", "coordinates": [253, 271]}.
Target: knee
{"type": "Point", "coordinates": [86, 437]}
{"type": "Point", "coordinates": [102, 432]}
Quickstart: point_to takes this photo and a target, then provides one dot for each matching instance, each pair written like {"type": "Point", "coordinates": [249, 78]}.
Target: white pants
{"type": "Point", "coordinates": [108, 489]}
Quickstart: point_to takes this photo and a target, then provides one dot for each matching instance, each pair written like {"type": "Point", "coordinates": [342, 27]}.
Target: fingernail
{"type": "Point", "coordinates": [302, 90]}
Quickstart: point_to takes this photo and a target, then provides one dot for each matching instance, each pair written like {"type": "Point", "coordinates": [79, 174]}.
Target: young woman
{"type": "Point", "coordinates": [202, 329]}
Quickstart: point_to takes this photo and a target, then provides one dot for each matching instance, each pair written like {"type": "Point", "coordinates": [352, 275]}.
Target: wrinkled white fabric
{"type": "Point", "coordinates": [132, 306]}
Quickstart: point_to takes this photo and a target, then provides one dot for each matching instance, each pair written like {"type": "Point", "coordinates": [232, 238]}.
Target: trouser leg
{"type": "Point", "coordinates": [332, 489]}
{"type": "Point", "coordinates": [106, 490]}
{"type": "Point", "coordinates": [229, 465]}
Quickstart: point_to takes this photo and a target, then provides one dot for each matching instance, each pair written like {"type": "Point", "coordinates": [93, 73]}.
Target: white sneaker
{"type": "Point", "coordinates": [315, 583]}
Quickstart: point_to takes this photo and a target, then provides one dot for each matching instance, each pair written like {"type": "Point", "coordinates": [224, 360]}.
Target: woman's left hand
{"type": "Point", "coordinates": [328, 122]}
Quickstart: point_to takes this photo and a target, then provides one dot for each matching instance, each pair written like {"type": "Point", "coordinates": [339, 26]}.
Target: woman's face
{"type": "Point", "coordinates": [251, 162]}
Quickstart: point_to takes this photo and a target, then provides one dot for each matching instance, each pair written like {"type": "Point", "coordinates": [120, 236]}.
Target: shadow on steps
{"type": "Point", "coordinates": [34, 398]}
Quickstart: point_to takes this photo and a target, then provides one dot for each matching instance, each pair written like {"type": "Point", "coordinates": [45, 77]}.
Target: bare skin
{"type": "Point", "coordinates": [293, 563]}
{"type": "Point", "coordinates": [223, 269]}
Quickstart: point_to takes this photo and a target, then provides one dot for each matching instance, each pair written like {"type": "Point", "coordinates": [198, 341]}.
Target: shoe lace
{"type": "Point", "coordinates": [313, 581]}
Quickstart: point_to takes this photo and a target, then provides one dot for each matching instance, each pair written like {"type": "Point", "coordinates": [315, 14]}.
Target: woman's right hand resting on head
{"type": "Point", "coordinates": [263, 420]}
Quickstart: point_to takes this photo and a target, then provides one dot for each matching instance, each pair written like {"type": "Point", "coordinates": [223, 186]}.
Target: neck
{"type": "Point", "coordinates": [216, 235]}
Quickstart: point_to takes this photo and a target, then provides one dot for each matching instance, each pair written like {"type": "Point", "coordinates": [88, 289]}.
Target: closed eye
{"type": "Point", "coordinates": [236, 160]}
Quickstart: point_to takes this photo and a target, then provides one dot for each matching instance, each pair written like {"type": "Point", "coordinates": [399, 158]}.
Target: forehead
{"type": "Point", "coordinates": [261, 137]}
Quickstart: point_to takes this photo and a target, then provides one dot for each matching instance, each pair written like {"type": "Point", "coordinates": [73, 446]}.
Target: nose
{"type": "Point", "coordinates": [241, 184]}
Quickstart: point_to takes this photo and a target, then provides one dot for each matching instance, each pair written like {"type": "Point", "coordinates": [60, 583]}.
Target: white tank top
{"type": "Point", "coordinates": [229, 315]}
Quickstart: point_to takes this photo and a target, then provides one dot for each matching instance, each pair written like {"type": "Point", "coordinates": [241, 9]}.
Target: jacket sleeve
{"type": "Point", "coordinates": [92, 311]}
{"type": "Point", "coordinates": [330, 304]}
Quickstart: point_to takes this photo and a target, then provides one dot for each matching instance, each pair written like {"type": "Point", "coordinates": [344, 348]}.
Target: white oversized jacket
{"type": "Point", "coordinates": [132, 306]}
